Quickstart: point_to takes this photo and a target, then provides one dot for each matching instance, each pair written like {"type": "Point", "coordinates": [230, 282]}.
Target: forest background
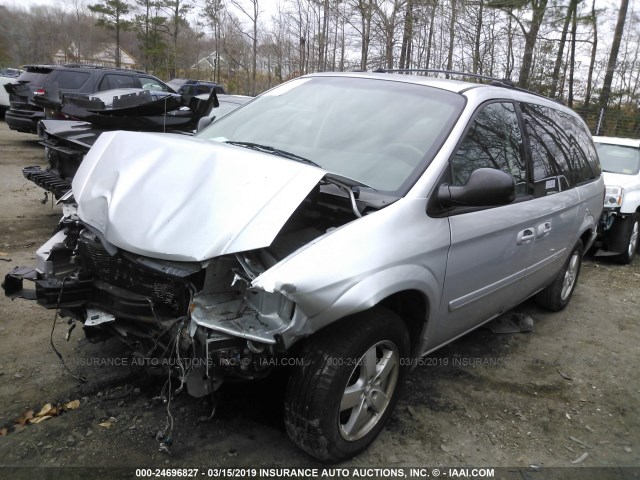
{"type": "Point", "coordinates": [584, 53]}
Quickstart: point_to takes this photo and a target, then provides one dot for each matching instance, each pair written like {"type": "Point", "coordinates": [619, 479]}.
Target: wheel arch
{"type": "Point", "coordinates": [412, 306]}
{"type": "Point", "coordinates": [588, 237]}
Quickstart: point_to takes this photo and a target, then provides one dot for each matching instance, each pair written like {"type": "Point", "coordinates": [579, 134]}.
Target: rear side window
{"type": "Point", "coordinates": [111, 81]}
{"type": "Point", "coordinates": [35, 78]}
{"type": "Point", "coordinates": [550, 149]}
{"type": "Point", "coordinates": [585, 163]}
{"type": "Point", "coordinates": [562, 153]}
{"type": "Point", "coordinates": [71, 80]}
{"type": "Point", "coordinates": [196, 89]}
{"type": "Point", "coordinates": [153, 84]}
{"type": "Point", "coordinates": [493, 140]}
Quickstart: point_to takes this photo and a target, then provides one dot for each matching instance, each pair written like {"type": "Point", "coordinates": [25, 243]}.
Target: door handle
{"type": "Point", "coordinates": [526, 236]}
{"type": "Point", "coordinates": [544, 229]}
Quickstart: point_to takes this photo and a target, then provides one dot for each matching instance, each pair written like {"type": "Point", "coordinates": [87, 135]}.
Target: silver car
{"type": "Point", "coordinates": [339, 227]}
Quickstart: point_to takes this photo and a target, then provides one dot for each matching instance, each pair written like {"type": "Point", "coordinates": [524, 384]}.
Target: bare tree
{"type": "Point", "coordinates": [365, 9]}
{"type": "Point", "coordinates": [538, 9]}
{"type": "Point", "coordinates": [252, 12]}
{"type": "Point", "coordinates": [215, 11]}
{"type": "Point", "coordinates": [594, 49]}
{"type": "Point", "coordinates": [571, 12]}
{"type": "Point", "coordinates": [613, 55]}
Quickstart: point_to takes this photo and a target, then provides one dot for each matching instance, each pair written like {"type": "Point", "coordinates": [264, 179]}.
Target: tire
{"type": "Point", "coordinates": [631, 240]}
{"type": "Point", "coordinates": [334, 372]}
{"type": "Point", "coordinates": [558, 293]}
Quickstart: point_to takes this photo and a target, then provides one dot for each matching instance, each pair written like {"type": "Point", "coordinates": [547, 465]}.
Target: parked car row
{"type": "Point", "coordinates": [341, 224]}
{"type": "Point", "coordinates": [54, 81]}
{"type": "Point", "coordinates": [69, 106]}
{"type": "Point", "coordinates": [66, 142]}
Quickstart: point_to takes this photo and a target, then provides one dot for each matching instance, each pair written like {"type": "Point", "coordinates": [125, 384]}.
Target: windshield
{"type": "Point", "coordinates": [619, 159]}
{"type": "Point", "coordinates": [377, 132]}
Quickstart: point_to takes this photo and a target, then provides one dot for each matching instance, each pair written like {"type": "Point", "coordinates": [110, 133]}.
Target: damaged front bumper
{"type": "Point", "coordinates": [225, 330]}
{"type": "Point", "coordinates": [47, 180]}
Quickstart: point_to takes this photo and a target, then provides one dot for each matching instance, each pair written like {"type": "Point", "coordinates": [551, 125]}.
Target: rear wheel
{"type": "Point", "coordinates": [631, 236]}
{"type": "Point", "coordinates": [341, 396]}
{"type": "Point", "coordinates": [556, 296]}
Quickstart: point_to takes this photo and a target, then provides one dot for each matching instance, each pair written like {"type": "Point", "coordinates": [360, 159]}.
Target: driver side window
{"type": "Point", "coordinates": [494, 140]}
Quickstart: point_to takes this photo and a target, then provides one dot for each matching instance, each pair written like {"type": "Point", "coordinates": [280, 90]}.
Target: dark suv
{"type": "Point", "coordinates": [198, 87]}
{"type": "Point", "coordinates": [53, 81]}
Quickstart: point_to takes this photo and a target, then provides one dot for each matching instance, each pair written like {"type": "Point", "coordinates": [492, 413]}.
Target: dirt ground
{"type": "Point", "coordinates": [544, 399]}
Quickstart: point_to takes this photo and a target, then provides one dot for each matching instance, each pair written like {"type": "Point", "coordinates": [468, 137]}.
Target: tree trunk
{"type": "Point", "coordinates": [452, 36]}
{"type": "Point", "coordinates": [476, 49]}
{"type": "Point", "coordinates": [538, 7]}
{"type": "Point", "coordinates": [592, 62]}
{"type": "Point", "coordinates": [430, 39]}
{"type": "Point", "coordinates": [555, 76]}
{"type": "Point", "coordinates": [117, 52]}
{"type": "Point", "coordinates": [510, 59]}
{"type": "Point", "coordinates": [613, 56]}
{"type": "Point", "coordinates": [254, 59]}
{"type": "Point", "coordinates": [572, 60]}
{"type": "Point", "coordinates": [366, 11]}
{"type": "Point", "coordinates": [407, 36]}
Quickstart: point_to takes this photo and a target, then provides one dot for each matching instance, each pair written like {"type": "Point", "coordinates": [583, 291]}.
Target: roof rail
{"type": "Point", "coordinates": [495, 82]}
{"type": "Point", "coordinates": [98, 67]}
{"type": "Point", "coordinates": [504, 82]}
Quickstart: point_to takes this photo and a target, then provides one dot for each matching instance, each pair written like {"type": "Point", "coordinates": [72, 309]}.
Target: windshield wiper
{"type": "Point", "coordinates": [273, 151]}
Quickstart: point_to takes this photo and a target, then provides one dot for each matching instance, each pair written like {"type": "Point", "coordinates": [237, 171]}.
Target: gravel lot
{"type": "Point", "coordinates": [564, 395]}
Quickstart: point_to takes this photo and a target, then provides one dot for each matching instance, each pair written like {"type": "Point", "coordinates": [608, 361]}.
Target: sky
{"type": "Point", "coordinates": [612, 4]}
{"type": "Point", "coordinates": [29, 3]}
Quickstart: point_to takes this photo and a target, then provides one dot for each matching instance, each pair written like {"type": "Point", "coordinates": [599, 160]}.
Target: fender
{"type": "Point", "coordinates": [374, 289]}
{"type": "Point", "coordinates": [631, 199]}
{"type": "Point", "coordinates": [591, 210]}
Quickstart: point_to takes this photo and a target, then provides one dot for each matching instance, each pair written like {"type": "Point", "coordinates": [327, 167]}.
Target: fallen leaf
{"type": "Point", "coordinates": [564, 375]}
{"type": "Point", "coordinates": [25, 417]}
{"type": "Point", "coordinates": [105, 424]}
{"type": "Point", "coordinates": [3, 432]}
{"type": "Point", "coordinates": [48, 409]}
{"type": "Point", "coordinates": [580, 458]}
{"type": "Point", "coordinates": [72, 405]}
{"type": "Point", "coordinates": [3, 254]}
{"type": "Point", "coordinates": [40, 419]}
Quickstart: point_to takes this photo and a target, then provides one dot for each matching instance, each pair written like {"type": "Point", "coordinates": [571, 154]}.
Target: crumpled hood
{"type": "Point", "coordinates": [180, 198]}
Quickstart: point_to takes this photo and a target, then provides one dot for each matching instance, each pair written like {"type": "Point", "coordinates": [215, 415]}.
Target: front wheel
{"type": "Point", "coordinates": [556, 295]}
{"type": "Point", "coordinates": [631, 235]}
{"type": "Point", "coordinates": [342, 394]}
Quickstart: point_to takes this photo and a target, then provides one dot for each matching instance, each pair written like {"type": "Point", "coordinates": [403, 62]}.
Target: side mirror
{"type": "Point", "coordinates": [486, 187]}
{"type": "Point", "coordinates": [204, 122]}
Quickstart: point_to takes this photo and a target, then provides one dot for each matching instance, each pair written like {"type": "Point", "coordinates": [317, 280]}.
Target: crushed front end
{"type": "Point", "coordinates": [176, 273]}
{"type": "Point", "coordinates": [202, 319]}
{"type": "Point", "coordinates": [146, 303]}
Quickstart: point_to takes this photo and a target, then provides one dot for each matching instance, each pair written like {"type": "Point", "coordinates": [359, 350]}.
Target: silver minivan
{"type": "Point", "coordinates": [337, 227]}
